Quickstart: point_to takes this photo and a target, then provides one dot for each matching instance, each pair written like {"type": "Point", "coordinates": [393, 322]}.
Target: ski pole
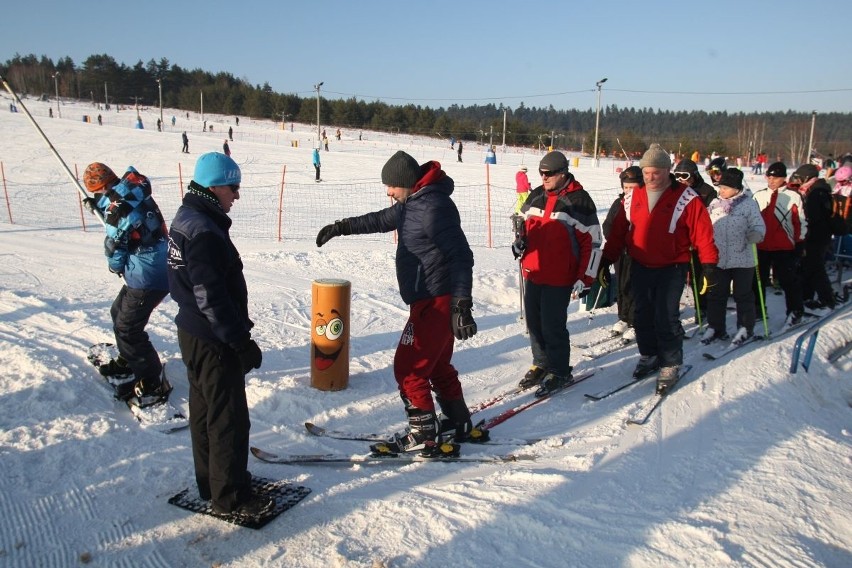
{"type": "Point", "coordinates": [595, 305]}
{"type": "Point", "coordinates": [695, 290]}
{"type": "Point", "coordinates": [79, 187]}
{"type": "Point", "coordinates": [760, 291]}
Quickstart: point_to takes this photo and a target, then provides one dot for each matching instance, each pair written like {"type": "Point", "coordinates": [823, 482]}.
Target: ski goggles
{"type": "Point", "coordinates": [682, 176]}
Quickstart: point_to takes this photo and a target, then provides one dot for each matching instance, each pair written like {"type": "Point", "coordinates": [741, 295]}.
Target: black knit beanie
{"type": "Point", "coordinates": [732, 177]}
{"type": "Point", "coordinates": [401, 170]}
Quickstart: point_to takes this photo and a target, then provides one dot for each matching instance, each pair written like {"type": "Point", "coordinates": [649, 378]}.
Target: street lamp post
{"type": "Point", "coordinates": [317, 87]}
{"type": "Point", "coordinates": [598, 120]}
{"type": "Point", "coordinates": [56, 86]}
{"type": "Point", "coordinates": [160, 89]}
{"type": "Point", "coordinates": [811, 139]}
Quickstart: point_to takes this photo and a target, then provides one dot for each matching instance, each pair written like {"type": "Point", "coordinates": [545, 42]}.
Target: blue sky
{"type": "Point", "coordinates": [724, 55]}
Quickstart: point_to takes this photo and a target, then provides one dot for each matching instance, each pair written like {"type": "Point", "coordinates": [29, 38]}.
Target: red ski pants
{"type": "Point", "coordinates": [422, 360]}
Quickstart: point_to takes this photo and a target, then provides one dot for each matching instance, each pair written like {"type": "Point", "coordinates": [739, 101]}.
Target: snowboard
{"type": "Point", "coordinates": [162, 417]}
{"type": "Point", "coordinates": [285, 495]}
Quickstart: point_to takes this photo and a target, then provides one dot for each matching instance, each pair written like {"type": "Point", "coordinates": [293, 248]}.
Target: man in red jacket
{"type": "Point", "coordinates": [659, 222]}
{"type": "Point", "coordinates": [559, 249]}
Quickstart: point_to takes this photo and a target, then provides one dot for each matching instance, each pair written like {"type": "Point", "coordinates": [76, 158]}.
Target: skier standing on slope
{"type": "Point", "coordinates": [434, 268]}
{"type": "Point", "coordinates": [783, 245]}
{"type": "Point", "coordinates": [737, 225]}
{"type": "Point", "coordinates": [660, 221]}
{"type": "Point", "coordinates": [630, 178]}
{"type": "Point", "coordinates": [558, 249]}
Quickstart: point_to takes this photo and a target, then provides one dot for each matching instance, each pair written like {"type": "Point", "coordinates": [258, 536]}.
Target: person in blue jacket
{"type": "Point", "coordinates": [214, 333]}
{"type": "Point", "coordinates": [434, 269]}
{"type": "Point", "coordinates": [317, 164]}
{"type": "Point", "coordinates": [135, 247]}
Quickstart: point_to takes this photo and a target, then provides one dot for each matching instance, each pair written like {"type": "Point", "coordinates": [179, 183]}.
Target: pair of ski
{"type": "Point", "coordinates": [403, 457]}
{"type": "Point", "coordinates": [605, 346]}
{"type": "Point", "coordinates": [807, 319]}
{"type": "Point", "coordinates": [644, 412]}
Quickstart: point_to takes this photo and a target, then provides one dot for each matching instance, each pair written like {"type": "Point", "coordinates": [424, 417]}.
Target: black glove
{"type": "Point", "coordinates": [709, 277]}
{"type": "Point", "coordinates": [800, 250]}
{"type": "Point", "coordinates": [461, 319]}
{"type": "Point", "coordinates": [604, 277]}
{"type": "Point", "coordinates": [336, 229]}
{"type": "Point", "coordinates": [249, 353]}
{"type": "Point", "coordinates": [519, 246]}
{"type": "Point", "coordinates": [91, 204]}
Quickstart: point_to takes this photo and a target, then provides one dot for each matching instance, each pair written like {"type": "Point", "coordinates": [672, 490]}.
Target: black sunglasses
{"type": "Point", "coordinates": [234, 188]}
{"type": "Point", "coordinates": [550, 174]}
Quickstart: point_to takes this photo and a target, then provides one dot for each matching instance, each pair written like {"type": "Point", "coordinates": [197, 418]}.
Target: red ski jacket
{"type": "Point", "coordinates": [562, 230]}
{"type": "Point", "coordinates": [662, 237]}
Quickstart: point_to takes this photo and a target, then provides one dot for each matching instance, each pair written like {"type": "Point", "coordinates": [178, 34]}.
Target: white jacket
{"type": "Point", "coordinates": [737, 224]}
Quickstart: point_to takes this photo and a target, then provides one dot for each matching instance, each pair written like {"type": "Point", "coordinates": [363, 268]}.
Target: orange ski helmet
{"type": "Point", "coordinates": [98, 177]}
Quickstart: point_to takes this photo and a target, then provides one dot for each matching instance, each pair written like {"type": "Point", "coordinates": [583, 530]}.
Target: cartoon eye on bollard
{"type": "Point", "coordinates": [327, 352]}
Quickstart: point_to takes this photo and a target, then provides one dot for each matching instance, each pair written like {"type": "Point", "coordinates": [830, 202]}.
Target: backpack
{"type": "Point", "coordinates": [840, 221]}
{"type": "Point", "coordinates": [133, 218]}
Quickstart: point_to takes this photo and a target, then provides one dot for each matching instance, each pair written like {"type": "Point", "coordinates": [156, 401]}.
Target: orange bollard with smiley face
{"type": "Point", "coordinates": [330, 334]}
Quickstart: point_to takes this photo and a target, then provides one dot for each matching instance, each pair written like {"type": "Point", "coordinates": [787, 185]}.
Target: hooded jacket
{"type": "Point", "coordinates": [737, 224]}
{"type": "Point", "coordinates": [433, 257]}
{"type": "Point", "coordinates": [135, 243]}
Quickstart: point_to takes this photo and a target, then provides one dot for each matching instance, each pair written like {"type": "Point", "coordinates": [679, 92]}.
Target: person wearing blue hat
{"type": "Point", "coordinates": [214, 333]}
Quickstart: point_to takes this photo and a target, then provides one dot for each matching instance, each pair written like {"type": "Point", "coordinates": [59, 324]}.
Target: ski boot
{"type": "Point", "coordinates": [711, 335]}
{"type": "Point", "coordinates": [456, 425]}
{"type": "Point", "coordinates": [117, 367]}
{"type": "Point", "coordinates": [668, 377]}
{"type": "Point", "coordinates": [532, 378]}
{"type": "Point", "coordinates": [553, 382]}
{"type": "Point", "coordinates": [422, 435]}
{"type": "Point", "coordinates": [647, 365]}
{"type": "Point", "coordinates": [146, 395]}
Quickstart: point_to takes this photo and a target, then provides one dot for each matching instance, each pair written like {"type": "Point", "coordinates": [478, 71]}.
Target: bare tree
{"type": "Point", "coordinates": [798, 145]}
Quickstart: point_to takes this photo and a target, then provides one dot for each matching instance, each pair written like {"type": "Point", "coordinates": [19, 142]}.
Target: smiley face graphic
{"type": "Point", "coordinates": [327, 342]}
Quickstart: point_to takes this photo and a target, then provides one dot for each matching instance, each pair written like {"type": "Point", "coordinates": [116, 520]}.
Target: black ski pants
{"type": "Point", "coordinates": [626, 305]}
{"type": "Point", "coordinates": [782, 263]}
{"type": "Point", "coordinates": [546, 309]}
{"type": "Point", "coordinates": [814, 275]}
{"type": "Point", "coordinates": [218, 420]}
{"type": "Point", "coordinates": [130, 313]}
{"type": "Point", "coordinates": [717, 298]}
{"type": "Point", "coordinates": [657, 293]}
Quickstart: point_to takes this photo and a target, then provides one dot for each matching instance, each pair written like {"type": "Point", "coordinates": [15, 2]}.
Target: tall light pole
{"type": "Point", "coordinates": [504, 129]}
{"type": "Point", "coordinates": [598, 120]}
{"type": "Point", "coordinates": [160, 88]}
{"type": "Point", "coordinates": [317, 87]}
{"type": "Point", "coordinates": [811, 140]}
{"type": "Point", "coordinates": [56, 86]}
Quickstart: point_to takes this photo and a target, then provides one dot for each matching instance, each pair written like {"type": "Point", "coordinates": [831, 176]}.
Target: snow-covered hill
{"type": "Point", "coordinates": [745, 465]}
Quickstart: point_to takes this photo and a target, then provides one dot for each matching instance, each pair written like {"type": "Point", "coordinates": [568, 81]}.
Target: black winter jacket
{"type": "Point", "coordinates": [818, 207]}
{"type": "Point", "coordinates": [206, 273]}
{"type": "Point", "coordinates": [433, 257]}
